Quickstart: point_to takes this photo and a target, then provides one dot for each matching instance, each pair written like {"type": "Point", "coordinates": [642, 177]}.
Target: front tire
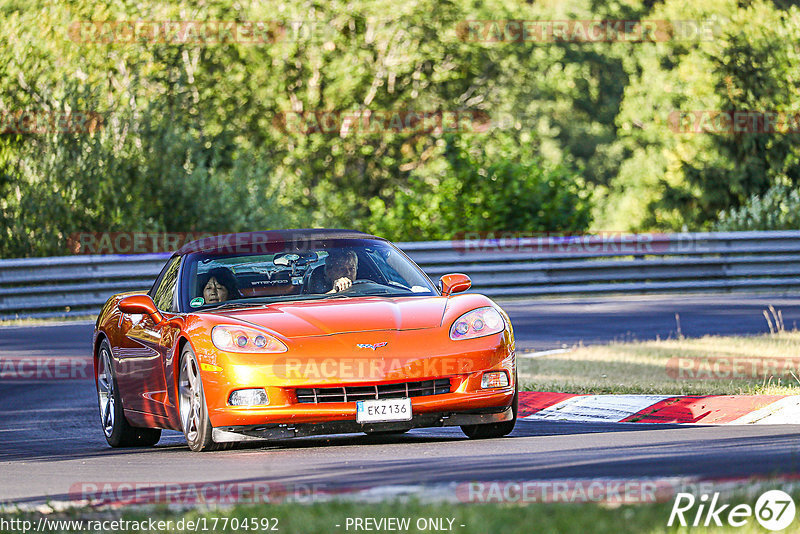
{"type": "Point", "coordinates": [192, 404]}
{"type": "Point", "coordinates": [117, 430]}
{"type": "Point", "coordinates": [495, 430]}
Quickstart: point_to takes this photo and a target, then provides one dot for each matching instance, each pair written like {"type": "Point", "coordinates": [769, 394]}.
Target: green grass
{"type": "Point", "coordinates": [477, 518]}
{"type": "Point", "coordinates": [642, 367]}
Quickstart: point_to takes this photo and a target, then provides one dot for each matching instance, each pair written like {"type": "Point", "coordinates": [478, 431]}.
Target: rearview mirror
{"type": "Point", "coordinates": [454, 283]}
{"type": "Point", "coordinates": [140, 304]}
{"type": "Point", "coordinates": [285, 260]}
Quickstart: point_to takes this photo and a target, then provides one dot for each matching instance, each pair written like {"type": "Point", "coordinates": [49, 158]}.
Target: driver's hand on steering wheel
{"type": "Point", "coordinates": [340, 284]}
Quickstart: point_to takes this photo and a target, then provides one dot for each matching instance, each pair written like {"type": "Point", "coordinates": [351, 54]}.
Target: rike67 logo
{"type": "Point", "coordinates": [774, 510]}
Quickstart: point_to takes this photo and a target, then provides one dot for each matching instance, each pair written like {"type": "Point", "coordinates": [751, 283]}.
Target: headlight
{"type": "Point", "coordinates": [477, 323]}
{"type": "Point", "coordinates": [233, 338]}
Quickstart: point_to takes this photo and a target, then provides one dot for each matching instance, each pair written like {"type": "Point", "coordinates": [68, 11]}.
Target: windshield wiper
{"type": "Point", "coordinates": [398, 284]}
{"type": "Point", "coordinates": [340, 295]}
{"type": "Point", "coordinates": [337, 296]}
{"type": "Point", "coordinates": [234, 304]}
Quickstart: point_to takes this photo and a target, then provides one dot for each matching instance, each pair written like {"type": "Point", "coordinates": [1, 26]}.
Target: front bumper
{"type": "Point", "coordinates": [422, 420]}
{"type": "Point", "coordinates": [333, 363]}
{"type": "Point", "coordinates": [464, 398]}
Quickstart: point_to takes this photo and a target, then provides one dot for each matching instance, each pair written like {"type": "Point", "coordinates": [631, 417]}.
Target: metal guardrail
{"type": "Point", "coordinates": [612, 263]}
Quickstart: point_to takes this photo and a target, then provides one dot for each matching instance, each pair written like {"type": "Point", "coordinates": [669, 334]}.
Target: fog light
{"type": "Point", "coordinates": [498, 379]}
{"type": "Point", "coordinates": [248, 397]}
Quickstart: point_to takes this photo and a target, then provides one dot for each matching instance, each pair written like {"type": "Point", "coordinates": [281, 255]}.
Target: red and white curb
{"type": "Point", "coordinates": [700, 409]}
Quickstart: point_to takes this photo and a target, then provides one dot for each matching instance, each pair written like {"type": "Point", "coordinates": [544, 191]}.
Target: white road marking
{"type": "Point", "coordinates": [781, 412]}
{"type": "Point", "coordinates": [611, 408]}
{"type": "Point", "coordinates": [541, 353]}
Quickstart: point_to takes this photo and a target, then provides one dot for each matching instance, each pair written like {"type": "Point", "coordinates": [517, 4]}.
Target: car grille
{"type": "Point", "coordinates": [380, 391]}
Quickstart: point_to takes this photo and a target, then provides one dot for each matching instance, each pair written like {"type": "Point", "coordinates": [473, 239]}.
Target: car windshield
{"type": "Point", "coordinates": [338, 268]}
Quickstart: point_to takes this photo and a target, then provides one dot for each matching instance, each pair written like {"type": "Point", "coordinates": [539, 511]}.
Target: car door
{"type": "Point", "coordinates": [147, 347]}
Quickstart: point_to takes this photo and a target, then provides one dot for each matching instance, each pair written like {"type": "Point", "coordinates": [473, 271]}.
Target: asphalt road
{"type": "Point", "coordinates": [51, 444]}
{"type": "Point", "coordinates": [538, 324]}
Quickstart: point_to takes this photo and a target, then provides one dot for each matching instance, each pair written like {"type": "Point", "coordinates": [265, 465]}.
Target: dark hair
{"type": "Point", "coordinates": [338, 255]}
{"type": "Point", "coordinates": [224, 276]}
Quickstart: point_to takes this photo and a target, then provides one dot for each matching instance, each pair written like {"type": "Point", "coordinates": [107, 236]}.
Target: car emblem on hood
{"type": "Point", "coordinates": [372, 346]}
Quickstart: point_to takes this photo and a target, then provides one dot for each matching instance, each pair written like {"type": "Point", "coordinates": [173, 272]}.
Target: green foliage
{"type": "Point", "coordinates": [777, 209]}
{"type": "Point", "coordinates": [748, 62]}
{"type": "Point", "coordinates": [194, 137]}
{"type": "Point", "coordinates": [139, 172]}
{"type": "Point", "coordinates": [481, 192]}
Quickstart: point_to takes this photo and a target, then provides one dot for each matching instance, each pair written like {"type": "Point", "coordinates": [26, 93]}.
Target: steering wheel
{"type": "Point", "coordinates": [353, 285]}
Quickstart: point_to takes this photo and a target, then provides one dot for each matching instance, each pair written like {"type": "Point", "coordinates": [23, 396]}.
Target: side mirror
{"type": "Point", "coordinates": [140, 304]}
{"type": "Point", "coordinates": [454, 283]}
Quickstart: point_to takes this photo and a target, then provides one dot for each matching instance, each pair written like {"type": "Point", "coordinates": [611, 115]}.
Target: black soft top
{"type": "Point", "coordinates": [254, 241]}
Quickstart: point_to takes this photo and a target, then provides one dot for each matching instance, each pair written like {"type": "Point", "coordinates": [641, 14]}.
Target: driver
{"type": "Point", "coordinates": [340, 270]}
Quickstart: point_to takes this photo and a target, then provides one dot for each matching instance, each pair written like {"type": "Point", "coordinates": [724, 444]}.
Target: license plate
{"type": "Point", "coordinates": [383, 410]}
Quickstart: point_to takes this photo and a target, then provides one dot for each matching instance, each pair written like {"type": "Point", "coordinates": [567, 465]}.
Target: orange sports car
{"type": "Point", "coordinates": [280, 334]}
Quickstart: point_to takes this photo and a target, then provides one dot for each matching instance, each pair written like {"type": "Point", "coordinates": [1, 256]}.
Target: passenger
{"type": "Point", "coordinates": [218, 285]}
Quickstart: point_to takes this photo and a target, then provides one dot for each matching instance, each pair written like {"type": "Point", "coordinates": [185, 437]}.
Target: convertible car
{"type": "Point", "coordinates": [281, 334]}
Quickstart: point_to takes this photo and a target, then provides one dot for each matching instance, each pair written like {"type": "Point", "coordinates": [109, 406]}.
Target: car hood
{"type": "Point", "coordinates": [339, 316]}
